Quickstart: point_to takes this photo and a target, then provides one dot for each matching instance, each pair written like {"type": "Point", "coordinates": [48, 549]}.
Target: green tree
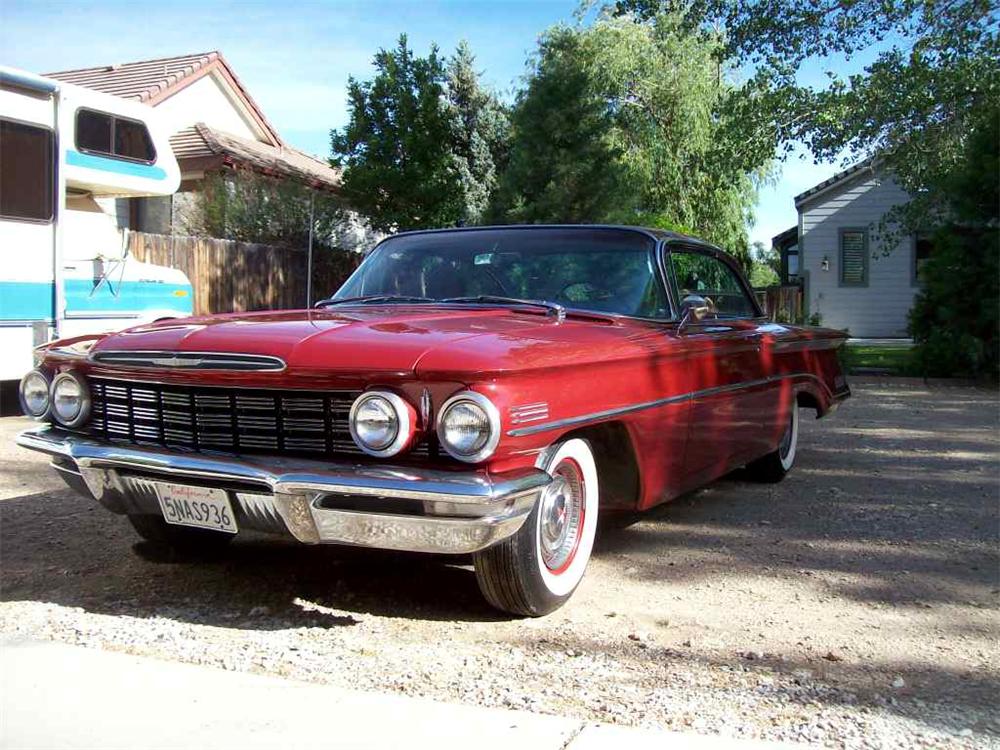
{"type": "Point", "coordinates": [955, 319]}
{"type": "Point", "coordinates": [396, 151]}
{"type": "Point", "coordinates": [246, 206]}
{"type": "Point", "coordinates": [425, 142]}
{"type": "Point", "coordinates": [623, 121]}
{"type": "Point", "coordinates": [564, 166]}
{"type": "Point", "coordinates": [912, 107]}
{"type": "Point", "coordinates": [480, 131]}
{"type": "Point", "coordinates": [765, 267]}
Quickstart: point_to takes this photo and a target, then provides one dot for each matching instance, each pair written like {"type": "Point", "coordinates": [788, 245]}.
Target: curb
{"type": "Point", "coordinates": [58, 695]}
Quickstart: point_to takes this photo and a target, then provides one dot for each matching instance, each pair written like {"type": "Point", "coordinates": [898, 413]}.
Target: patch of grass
{"type": "Point", "coordinates": [892, 359]}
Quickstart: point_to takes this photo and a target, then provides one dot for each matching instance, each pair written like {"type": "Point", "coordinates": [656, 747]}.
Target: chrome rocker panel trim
{"type": "Point", "coordinates": [463, 511]}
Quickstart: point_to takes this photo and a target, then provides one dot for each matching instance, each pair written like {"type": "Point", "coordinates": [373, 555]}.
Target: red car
{"type": "Point", "coordinates": [487, 391]}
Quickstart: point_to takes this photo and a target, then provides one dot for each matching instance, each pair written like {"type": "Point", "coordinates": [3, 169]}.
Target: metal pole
{"type": "Point", "coordinates": [59, 296]}
{"type": "Point", "coordinates": [309, 272]}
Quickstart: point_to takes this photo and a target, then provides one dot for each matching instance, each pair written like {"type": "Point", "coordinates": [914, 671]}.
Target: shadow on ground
{"type": "Point", "coordinates": [893, 502]}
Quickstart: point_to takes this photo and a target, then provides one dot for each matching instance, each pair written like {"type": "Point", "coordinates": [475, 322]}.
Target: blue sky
{"type": "Point", "coordinates": [295, 58]}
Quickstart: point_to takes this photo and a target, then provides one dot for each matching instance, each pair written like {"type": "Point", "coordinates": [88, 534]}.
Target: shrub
{"type": "Point", "coordinates": [955, 318]}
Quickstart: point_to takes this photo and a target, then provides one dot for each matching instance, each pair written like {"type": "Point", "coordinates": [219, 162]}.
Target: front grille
{"type": "Point", "coordinates": [230, 420]}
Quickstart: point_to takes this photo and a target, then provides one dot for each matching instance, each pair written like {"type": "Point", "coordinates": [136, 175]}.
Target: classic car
{"type": "Point", "coordinates": [485, 391]}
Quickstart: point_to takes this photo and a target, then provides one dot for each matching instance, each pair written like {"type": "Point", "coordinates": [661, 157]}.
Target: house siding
{"type": "Point", "coordinates": [878, 308]}
{"type": "Point", "coordinates": [207, 101]}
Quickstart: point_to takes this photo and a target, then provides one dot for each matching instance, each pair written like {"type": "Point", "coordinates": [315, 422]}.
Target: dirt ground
{"type": "Point", "coordinates": [853, 605]}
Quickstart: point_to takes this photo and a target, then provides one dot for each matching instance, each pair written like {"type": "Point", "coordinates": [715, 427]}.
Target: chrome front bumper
{"type": "Point", "coordinates": [389, 507]}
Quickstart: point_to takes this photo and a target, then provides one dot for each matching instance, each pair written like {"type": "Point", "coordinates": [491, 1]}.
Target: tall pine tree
{"type": "Point", "coordinates": [425, 141]}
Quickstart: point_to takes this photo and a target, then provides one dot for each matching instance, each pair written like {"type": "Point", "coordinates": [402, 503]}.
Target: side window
{"type": "Point", "coordinates": [707, 276]}
{"type": "Point", "coordinates": [792, 262]}
{"type": "Point", "coordinates": [108, 135]}
{"type": "Point", "coordinates": [923, 247]}
{"type": "Point", "coordinates": [853, 257]}
{"type": "Point", "coordinates": [27, 172]}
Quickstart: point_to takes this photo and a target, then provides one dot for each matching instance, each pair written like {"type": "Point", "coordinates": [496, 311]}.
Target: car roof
{"type": "Point", "coordinates": [653, 233]}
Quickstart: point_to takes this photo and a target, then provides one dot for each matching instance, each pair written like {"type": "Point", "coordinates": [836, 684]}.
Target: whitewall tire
{"type": "Point", "coordinates": [775, 465]}
{"type": "Point", "coordinates": [537, 569]}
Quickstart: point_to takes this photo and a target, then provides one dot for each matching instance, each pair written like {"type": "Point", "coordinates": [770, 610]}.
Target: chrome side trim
{"type": "Point", "coordinates": [190, 360]}
{"type": "Point", "coordinates": [607, 413]}
{"type": "Point", "coordinates": [529, 413]}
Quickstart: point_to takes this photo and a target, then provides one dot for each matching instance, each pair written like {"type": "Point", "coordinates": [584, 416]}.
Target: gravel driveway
{"type": "Point", "coordinates": [855, 604]}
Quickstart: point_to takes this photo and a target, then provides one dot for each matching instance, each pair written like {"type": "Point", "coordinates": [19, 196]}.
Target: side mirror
{"type": "Point", "coordinates": [693, 310]}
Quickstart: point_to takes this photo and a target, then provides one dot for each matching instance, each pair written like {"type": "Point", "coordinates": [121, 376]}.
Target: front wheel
{"type": "Point", "coordinates": [775, 465]}
{"type": "Point", "coordinates": [537, 569]}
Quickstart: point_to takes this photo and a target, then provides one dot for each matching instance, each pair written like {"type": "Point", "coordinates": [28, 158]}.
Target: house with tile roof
{"type": "Point", "coordinates": [849, 277]}
{"type": "Point", "coordinates": [216, 126]}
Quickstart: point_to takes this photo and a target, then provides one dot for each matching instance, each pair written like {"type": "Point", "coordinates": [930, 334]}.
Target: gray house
{"type": "Point", "coordinates": [847, 278]}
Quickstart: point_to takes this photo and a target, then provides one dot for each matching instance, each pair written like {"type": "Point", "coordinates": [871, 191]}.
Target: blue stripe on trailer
{"type": "Point", "coordinates": [118, 166]}
{"type": "Point", "coordinates": [26, 300]}
{"type": "Point", "coordinates": [115, 296]}
{"type": "Point", "coordinates": [32, 300]}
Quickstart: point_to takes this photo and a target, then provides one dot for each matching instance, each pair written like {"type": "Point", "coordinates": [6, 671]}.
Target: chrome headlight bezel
{"type": "Point", "coordinates": [404, 414]}
{"type": "Point", "coordinates": [492, 417]}
{"type": "Point", "coordinates": [83, 414]}
{"type": "Point", "coordinates": [40, 415]}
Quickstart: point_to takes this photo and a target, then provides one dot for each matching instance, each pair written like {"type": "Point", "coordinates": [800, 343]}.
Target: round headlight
{"type": "Point", "coordinates": [35, 394]}
{"type": "Point", "coordinates": [381, 423]}
{"type": "Point", "coordinates": [469, 427]}
{"type": "Point", "coordinates": [70, 399]}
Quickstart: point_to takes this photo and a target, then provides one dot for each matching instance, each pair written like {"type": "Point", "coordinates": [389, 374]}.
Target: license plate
{"type": "Point", "coordinates": [201, 507]}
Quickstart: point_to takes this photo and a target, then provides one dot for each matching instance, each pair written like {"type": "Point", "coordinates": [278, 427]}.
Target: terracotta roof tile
{"type": "Point", "coordinates": [201, 140]}
{"type": "Point", "coordinates": [141, 80]}
{"type": "Point", "coordinates": [188, 143]}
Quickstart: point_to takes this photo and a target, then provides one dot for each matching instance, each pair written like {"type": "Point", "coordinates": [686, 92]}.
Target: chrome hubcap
{"type": "Point", "coordinates": [561, 520]}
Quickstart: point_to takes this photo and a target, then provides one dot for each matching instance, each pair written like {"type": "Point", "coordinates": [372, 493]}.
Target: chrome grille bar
{"type": "Point", "coordinates": [190, 360]}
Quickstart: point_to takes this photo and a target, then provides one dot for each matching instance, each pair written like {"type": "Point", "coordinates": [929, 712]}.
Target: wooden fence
{"type": "Point", "coordinates": [782, 303]}
{"type": "Point", "coordinates": [230, 276]}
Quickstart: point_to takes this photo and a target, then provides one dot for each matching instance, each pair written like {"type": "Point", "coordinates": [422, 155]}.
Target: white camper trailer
{"type": "Point", "coordinates": [66, 155]}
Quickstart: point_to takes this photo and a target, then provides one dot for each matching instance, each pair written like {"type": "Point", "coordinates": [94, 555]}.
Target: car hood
{"type": "Point", "coordinates": [396, 339]}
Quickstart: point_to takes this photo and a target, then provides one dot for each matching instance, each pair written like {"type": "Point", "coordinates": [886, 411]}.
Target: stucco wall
{"type": "Point", "coordinates": [880, 308]}
{"type": "Point", "coordinates": [206, 101]}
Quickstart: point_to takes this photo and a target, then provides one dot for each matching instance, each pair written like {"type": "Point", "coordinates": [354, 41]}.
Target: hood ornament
{"type": "Point", "coordinates": [175, 361]}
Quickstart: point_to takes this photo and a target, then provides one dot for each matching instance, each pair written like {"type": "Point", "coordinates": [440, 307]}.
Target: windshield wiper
{"type": "Point", "coordinates": [371, 298]}
{"type": "Point", "coordinates": [550, 307]}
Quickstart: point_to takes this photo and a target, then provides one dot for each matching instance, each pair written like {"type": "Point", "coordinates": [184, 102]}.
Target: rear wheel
{"type": "Point", "coordinates": [775, 465]}
{"type": "Point", "coordinates": [154, 529]}
{"type": "Point", "coordinates": [537, 569]}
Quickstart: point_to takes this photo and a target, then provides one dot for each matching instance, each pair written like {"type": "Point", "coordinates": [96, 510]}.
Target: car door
{"type": "Point", "coordinates": [732, 398]}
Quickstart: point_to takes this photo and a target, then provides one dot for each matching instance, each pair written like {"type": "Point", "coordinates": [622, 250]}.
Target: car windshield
{"type": "Point", "coordinates": [603, 270]}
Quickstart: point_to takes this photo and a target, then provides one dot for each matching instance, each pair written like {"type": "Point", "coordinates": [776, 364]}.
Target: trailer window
{"type": "Point", "coordinates": [93, 131]}
{"type": "Point", "coordinates": [110, 135]}
{"type": "Point", "coordinates": [27, 172]}
{"type": "Point", "coordinates": [132, 141]}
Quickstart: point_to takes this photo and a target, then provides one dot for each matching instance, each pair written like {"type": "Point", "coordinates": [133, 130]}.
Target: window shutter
{"type": "Point", "coordinates": [853, 257]}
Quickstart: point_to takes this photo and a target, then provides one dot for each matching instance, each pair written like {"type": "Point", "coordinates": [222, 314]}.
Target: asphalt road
{"type": "Point", "coordinates": [854, 604]}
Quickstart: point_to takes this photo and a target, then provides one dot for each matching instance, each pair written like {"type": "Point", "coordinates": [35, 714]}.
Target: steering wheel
{"type": "Point", "coordinates": [586, 292]}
